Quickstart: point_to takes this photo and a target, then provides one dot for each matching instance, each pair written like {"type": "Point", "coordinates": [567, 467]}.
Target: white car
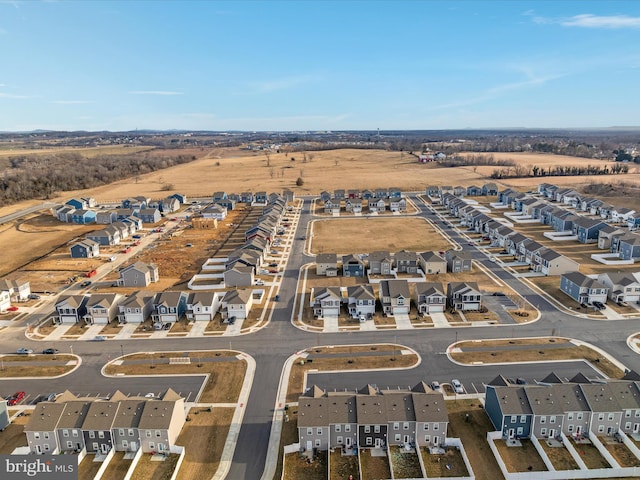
{"type": "Point", "coordinates": [457, 386]}
{"type": "Point", "coordinates": [259, 282]}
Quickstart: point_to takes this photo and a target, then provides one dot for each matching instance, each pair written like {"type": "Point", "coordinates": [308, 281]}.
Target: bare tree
{"type": "Point", "coordinates": [272, 172]}
{"type": "Point", "coordinates": [266, 154]}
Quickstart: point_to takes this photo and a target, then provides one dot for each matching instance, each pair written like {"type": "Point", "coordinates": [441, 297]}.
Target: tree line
{"type": "Point", "coordinates": [520, 171]}
{"type": "Point", "coordinates": [42, 176]}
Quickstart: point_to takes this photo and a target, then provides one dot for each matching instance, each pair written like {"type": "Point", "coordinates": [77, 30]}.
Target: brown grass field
{"type": "Point", "coordinates": [394, 234]}
{"type": "Point", "coordinates": [237, 170]}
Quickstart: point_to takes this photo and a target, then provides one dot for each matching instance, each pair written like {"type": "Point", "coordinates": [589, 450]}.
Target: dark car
{"type": "Point", "coordinates": [50, 351]}
{"type": "Point", "coordinates": [521, 381]}
{"type": "Point", "coordinates": [498, 294]}
{"type": "Point", "coordinates": [273, 264]}
{"type": "Point", "coordinates": [232, 320]}
{"type": "Point", "coordinates": [85, 284]}
{"type": "Point", "coordinates": [276, 298]}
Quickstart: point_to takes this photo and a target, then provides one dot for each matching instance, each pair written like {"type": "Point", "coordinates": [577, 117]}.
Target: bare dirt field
{"type": "Point", "coordinates": [370, 234]}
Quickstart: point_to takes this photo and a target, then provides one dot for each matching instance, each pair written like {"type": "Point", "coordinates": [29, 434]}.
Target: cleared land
{"type": "Point", "coordinates": [13, 436]}
{"type": "Point", "coordinates": [369, 234]}
{"type": "Point", "coordinates": [520, 459]}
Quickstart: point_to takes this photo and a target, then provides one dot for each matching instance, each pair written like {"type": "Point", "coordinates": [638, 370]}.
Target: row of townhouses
{"type": "Point", "coordinates": [435, 192]}
{"type": "Point", "coordinates": [371, 418]}
{"type": "Point", "coordinates": [373, 205]}
{"type": "Point", "coordinates": [338, 195]}
{"type": "Point", "coordinates": [383, 262]}
{"type": "Point", "coordinates": [127, 424]}
{"type": "Point", "coordinates": [394, 297]}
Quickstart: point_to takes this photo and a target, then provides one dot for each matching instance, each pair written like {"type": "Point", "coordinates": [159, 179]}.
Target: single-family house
{"type": "Point", "coordinates": [361, 301]}
{"type": "Point", "coordinates": [353, 193]}
{"type": "Point", "coordinates": [237, 303]}
{"type": "Point", "coordinates": [102, 308]}
{"type": "Point", "coordinates": [621, 214]}
{"type": "Point", "coordinates": [430, 297]}
{"type": "Point", "coordinates": [122, 213]}
{"type": "Point", "coordinates": [406, 262]}
{"type": "Point", "coordinates": [395, 297]}
{"type": "Point", "coordinates": [338, 194]}
{"type": "Point", "coordinates": [214, 211]}
{"type": "Point", "coordinates": [550, 262]}
{"type": "Point", "coordinates": [169, 307]}
{"type": "Point", "coordinates": [246, 197]}
{"type": "Point", "coordinates": [170, 205]}
{"type": "Point", "coordinates": [324, 196]}
{"type": "Point", "coordinates": [432, 263]}
{"type": "Point", "coordinates": [138, 274]}
{"type": "Point", "coordinates": [512, 242]}
{"type": "Point", "coordinates": [367, 194]}
{"type": "Point", "coordinates": [202, 306]}
{"type": "Point", "coordinates": [85, 249]}
{"type": "Point", "coordinates": [458, 261]}
{"type": "Point", "coordinates": [108, 236]}
{"type": "Point", "coordinates": [623, 286]}
{"type": "Point", "coordinates": [17, 289]}
{"type": "Point", "coordinates": [70, 309]}
{"type": "Point", "coordinates": [327, 264]}
{"type": "Point", "coordinates": [398, 205]}
{"type": "Point", "coordinates": [137, 202]}
{"type": "Point", "coordinates": [474, 191]}
{"type": "Point", "coordinates": [105, 217]}
{"type": "Point", "coordinates": [633, 222]}
{"type": "Point", "coordinates": [5, 300]}
{"type": "Point", "coordinates": [83, 217]}
{"type": "Point", "coordinates": [377, 205]}
{"type": "Point", "coordinates": [325, 301]}
{"type": "Point", "coordinates": [353, 206]}
{"type": "Point", "coordinates": [352, 266]}
{"type": "Point", "coordinates": [464, 296]}
{"type": "Point", "coordinates": [380, 263]}
{"type": "Point", "coordinates": [219, 196]}
{"type": "Point", "coordinates": [384, 193]}
{"type": "Point", "coordinates": [629, 247]}
{"type": "Point", "coordinates": [583, 289]}
{"type": "Point", "coordinates": [228, 203]}
{"type": "Point", "coordinates": [490, 189]}
{"type": "Point", "coordinates": [587, 229]}
{"type": "Point", "coordinates": [149, 215]}
{"type": "Point", "coordinates": [137, 307]}
{"type": "Point", "coordinates": [395, 193]}
{"type": "Point", "coordinates": [260, 198]}
{"type": "Point", "coordinates": [239, 275]}
{"type": "Point", "coordinates": [332, 207]}
{"type": "Point", "coordinates": [77, 203]}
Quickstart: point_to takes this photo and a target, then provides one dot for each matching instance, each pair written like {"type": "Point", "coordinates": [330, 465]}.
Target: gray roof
{"type": "Point", "coordinates": [45, 417]}
{"type": "Point", "coordinates": [379, 256]}
{"type": "Point", "coordinates": [157, 414]}
{"type": "Point", "coordinates": [129, 413]}
{"type": "Point", "coordinates": [513, 400]}
{"type": "Point", "coordinates": [100, 415]}
{"type": "Point", "coordinates": [556, 399]}
{"type": "Point", "coordinates": [429, 407]}
{"type": "Point", "coordinates": [202, 298]}
{"type": "Point", "coordinates": [601, 397]}
{"type": "Point", "coordinates": [138, 298]}
{"type": "Point", "coordinates": [327, 258]}
{"type": "Point", "coordinates": [75, 412]}
{"type": "Point", "coordinates": [582, 280]}
{"type": "Point", "coordinates": [429, 288]}
{"type": "Point", "coordinates": [237, 297]}
{"type": "Point", "coordinates": [432, 257]}
{"type": "Point", "coordinates": [361, 292]}
{"type": "Point", "coordinates": [395, 288]}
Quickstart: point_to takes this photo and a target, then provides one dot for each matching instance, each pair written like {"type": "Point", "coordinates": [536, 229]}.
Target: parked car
{"type": "Point", "coordinates": [16, 398]}
{"type": "Point", "coordinates": [34, 296]}
{"type": "Point", "coordinates": [232, 320]}
{"type": "Point", "coordinates": [273, 270]}
{"type": "Point", "coordinates": [12, 309]}
{"type": "Point", "coordinates": [50, 397]}
{"type": "Point", "coordinates": [99, 338]}
{"type": "Point", "coordinates": [435, 386]}
{"type": "Point", "coordinates": [85, 283]}
{"type": "Point", "coordinates": [521, 381]}
{"type": "Point", "coordinates": [273, 264]}
{"type": "Point", "coordinates": [24, 351]}
{"type": "Point", "coordinates": [276, 298]}
{"type": "Point", "coordinates": [259, 282]}
{"type": "Point", "coordinates": [50, 351]}
{"type": "Point", "coordinates": [457, 386]}
{"type": "Point", "coordinates": [498, 294]}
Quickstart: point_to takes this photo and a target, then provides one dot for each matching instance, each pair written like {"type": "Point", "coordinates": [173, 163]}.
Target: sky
{"type": "Point", "coordinates": [318, 65]}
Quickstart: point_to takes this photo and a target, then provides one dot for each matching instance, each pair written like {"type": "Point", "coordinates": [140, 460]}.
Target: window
{"type": "Point", "coordinates": [130, 432]}
{"type": "Point", "coordinates": [427, 438]}
{"type": "Point", "coordinates": [520, 430]}
{"type": "Point", "coordinates": [121, 432]}
{"type": "Point", "coordinates": [65, 433]}
{"type": "Point", "coordinates": [435, 426]}
{"type": "Point", "coordinates": [398, 437]}
{"type": "Point", "coordinates": [125, 444]}
{"type": "Point", "coordinates": [376, 428]}
{"type": "Point", "coordinates": [552, 419]}
{"type": "Point", "coordinates": [367, 428]}
{"type": "Point", "coordinates": [570, 428]}
{"type": "Point", "coordinates": [570, 416]}
{"type": "Point", "coordinates": [543, 419]}
{"type": "Point", "coordinates": [396, 426]}
{"type": "Point", "coordinates": [157, 433]}
{"type": "Point", "coordinates": [579, 416]}
{"type": "Point", "coordinates": [610, 417]}
{"type": "Point", "coordinates": [514, 419]}
{"type": "Point", "coordinates": [317, 443]}
{"type": "Point", "coordinates": [46, 447]}
{"type": "Point", "coordinates": [347, 428]}
{"type": "Point", "coordinates": [338, 428]}
{"type": "Point", "coordinates": [405, 426]}
{"type": "Point", "coordinates": [36, 435]}
{"type": "Point", "coordinates": [46, 435]}
{"type": "Point", "coordinates": [600, 428]}
{"type": "Point", "coordinates": [637, 413]}
{"type": "Point", "coordinates": [69, 444]}
{"type": "Point", "coordinates": [92, 434]}
{"type": "Point", "coordinates": [152, 445]}
{"type": "Point", "coordinates": [339, 440]}
{"type": "Point", "coordinates": [100, 434]}
{"type": "Point", "coordinates": [543, 431]}
{"type": "Point", "coordinates": [627, 426]}
{"type": "Point", "coordinates": [309, 431]}
{"type": "Point", "coordinates": [601, 416]}
{"type": "Point", "coordinates": [319, 431]}
{"type": "Point", "coordinates": [426, 427]}
{"type": "Point", "coordinates": [148, 433]}
{"type": "Point", "coordinates": [369, 441]}
{"type": "Point", "coordinates": [523, 419]}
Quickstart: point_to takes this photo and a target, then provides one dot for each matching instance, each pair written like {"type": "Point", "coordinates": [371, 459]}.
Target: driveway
{"type": "Point", "coordinates": [439, 320]}
{"type": "Point", "coordinates": [403, 322]}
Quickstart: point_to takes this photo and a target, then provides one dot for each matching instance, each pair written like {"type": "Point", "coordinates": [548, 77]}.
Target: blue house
{"type": "Point", "coordinates": [169, 307]}
{"type": "Point", "coordinates": [633, 222]}
{"type": "Point", "coordinates": [83, 217]}
{"type": "Point", "coordinates": [261, 197]}
{"type": "Point", "coordinates": [474, 191]}
{"type": "Point", "coordinates": [509, 410]}
{"type": "Point", "coordinates": [85, 249]}
{"type": "Point", "coordinates": [77, 203]}
{"type": "Point", "coordinates": [583, 289]}
{"type": "Point", "coordinates": [490, 189]}
{"type": "Point", "coordinates": [180, 197]}
{"type": "Point", "coordinates": [352, 266]}
{"type": "Point", "coordinates": [395, 192]}
{"type": "Point", "coordinates": [228, 203]}
{"type": "Point", "coordinates": [149, 215]}
{"type": "Point", "coordinates": [587, 229]}
{"type": "Point", "coordinates": [629, 247]}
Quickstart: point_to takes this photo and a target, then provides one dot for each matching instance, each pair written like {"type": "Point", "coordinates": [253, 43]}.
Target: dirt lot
{"type": "Point", "coordinates": [374, 467]}
{"type": "Point", "coordinates": [590, 455]}
{"type": "Point", "coordinates": [449, 464]}
{"type": "Point", "coordinates": [368, 235]}
{"type": "Point", "coordinates": [621, 453]}
{"type": "Point", "coordinates": [521, 459]}
{"type": "Point", "coordinates": [343, 465]}
{"type": "Point", "coordinates": [148, 470]}
{"type": "Point", "coordinates": [203, 437]}
{"type": "Point", "coordinates": [560, 457]}
{"type": "Point", "coordinates": [297, 466]}
{"type": "Point", "coordinates": [13, 436]}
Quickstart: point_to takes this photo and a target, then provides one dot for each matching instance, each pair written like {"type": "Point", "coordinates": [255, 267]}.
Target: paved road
{"type": "Point", "coordinates": [273, 344]}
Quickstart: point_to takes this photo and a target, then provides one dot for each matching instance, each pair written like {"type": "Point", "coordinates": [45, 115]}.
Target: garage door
{"type": "Point", "coordinates": [203, 316]}
{"type": "Point", "coordinates": [401, 310]}
{"type": "Point", "coordinates": [167, 318]}
{"type": "Point", "coordinates": [134, 318]}
{"type": "Point", "coordinates": [436, 308]}
{"type": "Point", "coordinates": [331, 311]}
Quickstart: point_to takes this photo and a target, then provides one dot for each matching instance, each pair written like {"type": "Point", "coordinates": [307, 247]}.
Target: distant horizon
{"type": "Point", "coordinates": [315, 65]}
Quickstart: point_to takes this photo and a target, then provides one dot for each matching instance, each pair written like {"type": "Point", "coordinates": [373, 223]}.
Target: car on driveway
{"type": "Point", "coordinates": [457, 386]}
{"type": "Point", "coordinates": [435, 386]}
{"type": "Point", "coordinates": [12, 309]}
{"type": "Point", "coordinates": [16, 398]}
{"type": "Point", "coordinates": [50, 351]}
{"type": "Point", "coordinates": [273, 264]}
{"type": "Point", "coordinates": [99, 338]}
{"type": "Point", "coordinates": [34, 296]}
{"type": "Point", "coordinates": [24, 351]}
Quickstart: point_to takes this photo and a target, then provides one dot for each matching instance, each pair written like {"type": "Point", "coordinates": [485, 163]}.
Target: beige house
{"type": "Point", "coordinates": [550, 262]}
{"type": "Point", "coordinates": [432, 262]}
{"type": "Point", "coordinates": [102, 308]}
{"type": "Point", "coordinates": [327, 264]}
{"type": "Point", "coordinates": [161, 422]}
{"type": "Point", "coordinates": [237, 303]}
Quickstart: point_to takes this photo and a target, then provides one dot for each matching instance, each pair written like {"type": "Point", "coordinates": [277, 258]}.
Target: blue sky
{"type": "Point", "coordinates": [328, 65]}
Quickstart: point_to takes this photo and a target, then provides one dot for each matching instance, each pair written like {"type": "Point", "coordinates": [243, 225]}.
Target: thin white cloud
{"type": "Point", "coordinates": [9, 95]}
{"type": "Point", "coordinates": [154, 92]}
{"type": "Point", "coordinates": [72, 102]}
{"type": "Point", "coordinates": [3, 31]}
{"type": "Point", "coordinates": [285, 83]}
{"type": "Point", "coordinates": [602, 21]}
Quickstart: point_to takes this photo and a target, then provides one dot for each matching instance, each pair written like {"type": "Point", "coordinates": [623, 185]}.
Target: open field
{"type": "Point", "coordinates": [369, 234]}
{"type": "Point", "coordinates": [203, 437]}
